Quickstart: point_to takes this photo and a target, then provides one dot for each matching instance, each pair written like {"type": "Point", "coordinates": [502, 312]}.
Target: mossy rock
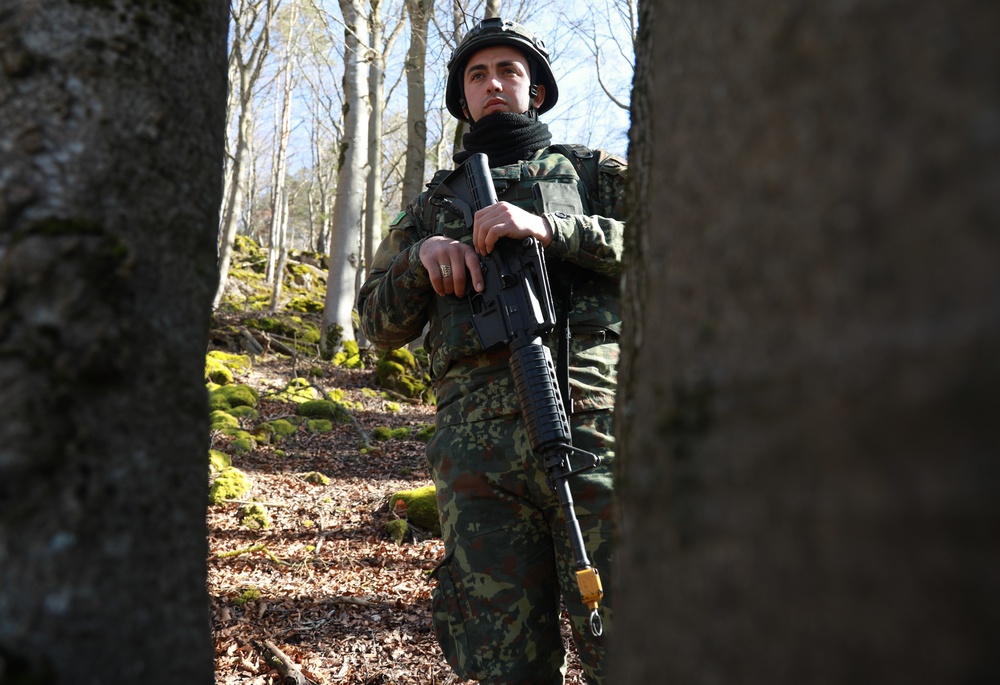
{"type": "Point", "coordinates": [220, 367]}
{"type": "Point", "coordinates": [254, 516]}
{"type": "Point", "coordinates": [420, 506]}
{"type": "Point", "coordinates": [275, 431]}
{"type": "Point", "coordinates": [226, 397]}
{"type": "Point", "coordinates": [223, 421]}
{"type": "Point", "coordinates": [304, 305]}
{"type": "Point", "coordinates": [397, 530]}
{"type": "Point", "coordinates": [316, 478]}
{"type": "Point", "coordinates": [242, 442]}
{"type": "Point", "coordinates": [230, 483]}
{"type": "Point", "coordinates": [349, 357]}
{"type": "Point", "coordinates": [297, 391]}
{"type": "Point", "coordinates": [319, 425]}
{"type": "Point", "coordinates": [397, 370]}
{"type": "Point", "coordinates": [425, 433]}
{"type": "Point", "coordinates": [218, 461]}
{"type": "Point", "coordinates": [245, 246]}
{"type": "Point", "coordinates": [243, 412]}
{"type": "Point", "coordinates": [293, 327]}
{"type": "Point", "coordinates": [324, 409]}
{"type": "Point", "coordinates": [217, 372]}
{"type": "Point", "coordinates": [383, 433]}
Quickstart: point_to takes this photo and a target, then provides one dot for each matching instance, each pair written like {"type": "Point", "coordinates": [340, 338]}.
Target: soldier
{"type": "Point", "coordinates": [508, 561]}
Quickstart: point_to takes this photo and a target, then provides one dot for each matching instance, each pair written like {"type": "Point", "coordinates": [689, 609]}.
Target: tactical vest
{"type": "Point", "coordinates": [549, 183]}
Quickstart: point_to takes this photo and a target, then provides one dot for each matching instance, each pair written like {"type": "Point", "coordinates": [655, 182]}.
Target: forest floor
{"type": "Point", "coordinates": [323, 585]}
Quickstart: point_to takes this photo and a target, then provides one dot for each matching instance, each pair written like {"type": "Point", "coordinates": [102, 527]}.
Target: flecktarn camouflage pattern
{"type": "Point", "coordinates": [508, 559]}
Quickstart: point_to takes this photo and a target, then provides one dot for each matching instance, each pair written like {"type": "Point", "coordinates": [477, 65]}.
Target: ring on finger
{"type": "Point", "coordinates": [445, 270]}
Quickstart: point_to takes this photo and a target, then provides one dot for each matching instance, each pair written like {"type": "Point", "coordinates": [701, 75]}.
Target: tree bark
{"type": "Point", "coordinates": [112, 123]}
{"type": "Point", "coordinates": [808, 412]}
{"type": "Point", "coordinates": [420, 12]}
{"type": "Point", "coordinates": [376, 95]}
{"type": "Point", "coordinates": [348, 210]}
{"type": "Point", "coordinates": [278, 243]}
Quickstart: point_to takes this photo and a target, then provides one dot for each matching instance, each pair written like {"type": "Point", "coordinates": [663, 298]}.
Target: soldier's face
{"type": "Point", "coordinates": [497, 79]}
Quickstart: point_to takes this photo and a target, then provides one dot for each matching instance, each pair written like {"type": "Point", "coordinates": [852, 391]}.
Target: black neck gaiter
{"type": "Point", "coordinates": [505, 138]}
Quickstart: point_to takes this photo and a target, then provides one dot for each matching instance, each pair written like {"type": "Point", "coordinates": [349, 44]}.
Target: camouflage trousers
{"type": "Point", "coordinates": [508, 559]}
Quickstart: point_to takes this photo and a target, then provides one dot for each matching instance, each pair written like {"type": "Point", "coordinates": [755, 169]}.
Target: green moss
{"type": "Point", "coordinates": [319, 425]}
{"type": "Point", "coordinates": [349, 357]}
{"type": "Point", "coordinates": [228, 396]}
{"type": "Point", "coordinates": [225, 366]}
{"type": "Point", "coordinates": [275, 430]}
{"type": "Point", "coordinates": [222, 421]}
{"type": "Point", "coordinates": [425, 433]}
{"type": "Point", "coordinates": [218, 461]}
{"type": "Point", "coordinates": [420, 506]}
{"type": "Point", "coordinates": [397, 370]}
{"type": "Point", "coordinates": [293, 327]}
{"type": "Point", "coordinates": [297, 391]}
{"type": "Point", "coordinates": [246, 248]}
{"type": "Point", "coordinates": [230, 483]}
{"type": "Point", "coordinates": [243, 443]}
{"type": "Point", "coordinates": [305, 305]}
{"type": "Point", "coordinates": [243, 412]}
{"type": "Point", "coordinates": [255, 516]}
{"type": "Point", "coordinates": [250, 594]}
{"type": "Point", "coordinates": [393, 407]}
{"type": "Point", "coordinates": [316, 478]}
{"type": "Point", "coordinates": [217, 372]}
{"type": "Point", "coordinates": [323, 409]}
{"type": "Point", "coordinates": [397, 530]}
{"type": "Point", "coordinates": [382, 433]}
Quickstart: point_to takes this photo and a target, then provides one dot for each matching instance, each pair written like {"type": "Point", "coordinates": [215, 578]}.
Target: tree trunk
{"type": "Point", "coordinates": [278, 252]}
{"type": "Point", "coordinates": [458, 12]}
{"type": "Point", "coordinates": [112, 125]}
{"type": "Point", "coordinates": [348, 210]}
{"type": "Point", "coordinates": [808, 413]}
{"type": "Point", "coordinates": [376, 95]}
{"type": "Point", "coordinates": [416, 128]}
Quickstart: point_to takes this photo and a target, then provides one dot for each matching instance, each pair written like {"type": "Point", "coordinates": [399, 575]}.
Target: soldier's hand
{"type": "Point", "coordinates": [504, 220]}
{"type": "Point", "coordinates": [451, 265]}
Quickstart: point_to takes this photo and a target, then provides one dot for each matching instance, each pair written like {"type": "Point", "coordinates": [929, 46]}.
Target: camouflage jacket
{"type": "Point", "coordinates": [471, 384]}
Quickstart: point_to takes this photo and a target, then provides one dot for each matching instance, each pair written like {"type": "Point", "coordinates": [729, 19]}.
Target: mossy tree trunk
{"type": "Point", "coordinates": [111, 131]}
{"type": "Point", "coordinates": [808, 416]}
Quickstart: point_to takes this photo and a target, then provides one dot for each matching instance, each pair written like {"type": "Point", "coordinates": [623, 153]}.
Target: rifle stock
{"type": "Point", "coordinates": [515, 308]}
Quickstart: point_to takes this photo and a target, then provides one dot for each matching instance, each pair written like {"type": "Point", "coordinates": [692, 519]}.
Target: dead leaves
{"type": "Point", "coordinates": [323, 584]}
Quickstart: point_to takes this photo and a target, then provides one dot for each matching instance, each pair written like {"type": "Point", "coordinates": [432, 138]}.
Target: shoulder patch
{"type": "Point", "coordinates": [399, 217]}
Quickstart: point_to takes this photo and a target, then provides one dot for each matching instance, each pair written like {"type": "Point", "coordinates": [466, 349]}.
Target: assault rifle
{"type": "Point", "coordinates": [515, 308]}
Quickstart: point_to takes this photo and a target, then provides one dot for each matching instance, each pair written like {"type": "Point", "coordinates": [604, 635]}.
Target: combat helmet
{"type": "Point", "coordinates": [497, 31]}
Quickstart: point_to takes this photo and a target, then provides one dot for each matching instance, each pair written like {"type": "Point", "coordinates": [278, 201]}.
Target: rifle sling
{"type": "Point", "coordinates": [562, 353]}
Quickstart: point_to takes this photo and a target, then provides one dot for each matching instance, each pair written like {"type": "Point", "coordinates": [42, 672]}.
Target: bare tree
{"type": "Point", "coordinates": [416, 63]}
{"type": "Point", "coordinates": [325, 102]}
{"type": "Point", "coordinates": [112, 121]}
{"type": "Point", "coordinates": [250, 26]}
{"type": "Point", "coordinates": [348, 213]}
{"type": "Point", "coordinates": [278, 242]}
{"type": "Point", "coordinates": [382, 44]}
{"type": "Point", "coordinates": [807, 419]}
{"type": "Point", "coordinates": [592, 30]}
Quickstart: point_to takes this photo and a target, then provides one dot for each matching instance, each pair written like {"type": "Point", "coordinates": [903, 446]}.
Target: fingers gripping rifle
{"type": "Point", "coordinates": [515, 308]}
